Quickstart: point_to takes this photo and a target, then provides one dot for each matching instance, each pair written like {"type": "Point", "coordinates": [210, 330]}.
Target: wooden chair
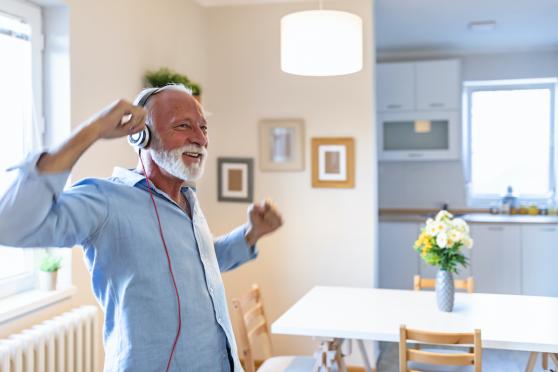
{"type": "Point", "coordinates": [251, 326]}
{"type": "Point", "coordinates": [465, 284]}
{"type": "Point", "coordinates": [421, 360]}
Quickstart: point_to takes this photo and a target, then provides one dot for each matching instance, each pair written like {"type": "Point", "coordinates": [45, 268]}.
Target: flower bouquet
{"type": "Point", "coordinates": [439, 244]}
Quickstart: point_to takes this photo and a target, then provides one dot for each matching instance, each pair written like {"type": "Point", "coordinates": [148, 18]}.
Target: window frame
{"type": "Point", "coordinates": [31, 14]}
{"type": "Point", "coordinates": [470, 87]}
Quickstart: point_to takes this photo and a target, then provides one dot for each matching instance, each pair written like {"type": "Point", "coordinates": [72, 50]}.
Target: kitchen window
{"type": "Point", "coordinates": [509, 136]}
{"type": "Point", "coordinates": [21, 118]}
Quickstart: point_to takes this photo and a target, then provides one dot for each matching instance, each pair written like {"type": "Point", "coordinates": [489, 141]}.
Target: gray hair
{"type": "Point", "coordinates": [143, 97]}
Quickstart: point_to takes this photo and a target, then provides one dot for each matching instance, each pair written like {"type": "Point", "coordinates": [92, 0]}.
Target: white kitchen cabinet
{"type": "Point", "coordinates": [540, 260]}
{"type": "Point", "coordinates": [396, 86]}
{"type": "Point", "coordinates": [438, 85]}
{"type": "Point", "coordinates": [496, 258]}
{"type": "Point", "coordinates": [415, 86]}
{"type": "Point", "coordinates": [398, 260]}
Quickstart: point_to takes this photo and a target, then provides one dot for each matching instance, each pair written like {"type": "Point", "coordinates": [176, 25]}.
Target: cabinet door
{"type": "Point", "coordinates": [395, 86]}
{"type": "Point", "coordinates": [496, 256]}
{"type": "Point", "coordinates": [438, 85]}
{"type": "Point", "coordinates": [398, 260]}
{"type": "Point", "coordinates": [540, 260]}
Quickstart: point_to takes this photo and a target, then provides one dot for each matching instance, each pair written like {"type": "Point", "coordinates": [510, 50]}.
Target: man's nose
{"type": "Point", "coordinates": [199, 137]}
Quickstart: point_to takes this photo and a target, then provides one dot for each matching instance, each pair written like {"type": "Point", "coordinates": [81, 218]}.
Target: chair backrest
{"type": "Point", "coordinates": [471, 358]}
{"type": "Point", "coordinates": [465, 284]}
{"type": "Point", "coordinates": [252, 323]}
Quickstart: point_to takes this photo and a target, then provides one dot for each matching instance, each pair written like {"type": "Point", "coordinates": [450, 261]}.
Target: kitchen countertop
{"type": "Point", "coordinates": [393, 216]}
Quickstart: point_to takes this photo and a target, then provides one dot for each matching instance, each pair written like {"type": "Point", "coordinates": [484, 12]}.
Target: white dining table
{"type": "Point", "coordinates": [510, 322]}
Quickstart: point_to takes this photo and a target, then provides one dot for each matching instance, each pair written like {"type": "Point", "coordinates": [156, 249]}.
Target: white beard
{"type": "Point", "coordinates": [171, 161]}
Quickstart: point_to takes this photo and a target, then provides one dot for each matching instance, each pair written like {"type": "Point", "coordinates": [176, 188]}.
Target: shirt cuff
{"type": "Point", "coordinates": [55, 182]}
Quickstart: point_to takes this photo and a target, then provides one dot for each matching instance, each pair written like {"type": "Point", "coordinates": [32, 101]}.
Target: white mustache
{"type": "Point", "coordinates": [193, 148]}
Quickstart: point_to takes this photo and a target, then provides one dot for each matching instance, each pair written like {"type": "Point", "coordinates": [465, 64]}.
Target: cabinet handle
{"type": "Point", "coordinates": [393, 106]}
{"type": "Point", "coordinates": [415, 155]}
{"type": "Point", "coordinates": [548, 229]}
{"type": "Point", "coordinates": [495, 228]}
{"type": "Point", "coordinates": [437, 104]}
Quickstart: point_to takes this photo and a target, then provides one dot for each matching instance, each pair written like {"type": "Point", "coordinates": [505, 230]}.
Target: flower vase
{"type": "Point", "coordinates": [445, 291]}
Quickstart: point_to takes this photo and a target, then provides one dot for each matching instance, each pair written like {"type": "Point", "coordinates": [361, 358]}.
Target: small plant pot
{"type": "Point", "coordinates": [47, 280]}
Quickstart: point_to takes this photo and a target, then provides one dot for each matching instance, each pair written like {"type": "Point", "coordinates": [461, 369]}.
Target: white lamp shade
{"type": "Point", "coordinates": [321, 43]}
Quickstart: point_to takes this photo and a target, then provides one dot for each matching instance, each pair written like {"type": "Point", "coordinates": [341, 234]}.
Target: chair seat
{"type": "Point", "coordinates": [288, 364]}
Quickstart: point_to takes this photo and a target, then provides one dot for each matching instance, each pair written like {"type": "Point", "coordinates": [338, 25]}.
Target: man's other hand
{"type": "Point", "coordinates": [263, 218]}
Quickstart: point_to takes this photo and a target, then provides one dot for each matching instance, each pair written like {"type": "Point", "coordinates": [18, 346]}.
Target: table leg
{"type": "Point", "coordinates": [367, 366]}
{"type": "Point", "coordinates": [329, 354]}
{"type": "Point", "coordinates": [531, 362]}
{"type": "Point", "coordinates": [545, 361]}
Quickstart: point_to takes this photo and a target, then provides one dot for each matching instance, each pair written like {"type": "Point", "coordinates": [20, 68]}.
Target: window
{"type": "Point", "coordinates": [20, 118]}
{"type": "Point", "coordinates": [509, 140]}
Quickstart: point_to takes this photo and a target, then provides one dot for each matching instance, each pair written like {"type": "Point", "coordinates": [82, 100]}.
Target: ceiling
{"type": "Point", "coordinates": [440, 26]}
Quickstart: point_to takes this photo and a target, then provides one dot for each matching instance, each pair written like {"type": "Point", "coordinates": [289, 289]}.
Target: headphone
{"type": "Point", "coordinates": [141, 140]}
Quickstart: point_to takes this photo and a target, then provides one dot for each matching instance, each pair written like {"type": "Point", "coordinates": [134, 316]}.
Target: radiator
{"type": "Point", "coordinates": [66, 343]}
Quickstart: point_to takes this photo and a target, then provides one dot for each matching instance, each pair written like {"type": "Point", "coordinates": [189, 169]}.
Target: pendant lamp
{"type": "Point", "coordinates": [321, 43]}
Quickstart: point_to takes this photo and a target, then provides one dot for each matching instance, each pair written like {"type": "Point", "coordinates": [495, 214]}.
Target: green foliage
{"type": "Point", "coordinates": [165, 76]}
{"type": "Point", "coordinates": [448, 259]}
{"type": "Point", "coordinates": [50, 263]}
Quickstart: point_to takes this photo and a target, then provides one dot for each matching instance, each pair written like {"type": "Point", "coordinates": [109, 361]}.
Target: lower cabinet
{"type": "Point", "coordinates": [540, 260]}
{"type": "Point", "coordinates": [398, 260]}
{"type": "Point", "coordinates": [505, 258]}
{"type": "Point", "coordinates": [496, 258]}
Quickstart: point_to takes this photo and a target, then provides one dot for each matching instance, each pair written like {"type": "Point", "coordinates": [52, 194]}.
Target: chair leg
{"type": "Point", "coordinates": [544, 361]}
{"type": "Point", "coordinates": [531, 362]}
{"type": "Point", "coordinates": [554, 358]}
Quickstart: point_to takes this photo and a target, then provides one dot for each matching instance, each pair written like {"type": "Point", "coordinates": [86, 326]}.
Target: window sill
{"type": "Point", "coordinates": [14, 306]}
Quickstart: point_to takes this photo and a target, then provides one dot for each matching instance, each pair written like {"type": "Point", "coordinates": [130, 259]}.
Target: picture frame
{"type": "Point", "coordinates": [333, 162]}
{"type": "Point", "coordinates": [281, 145]}
{"type": "Point", "coordinates": [235, 179]}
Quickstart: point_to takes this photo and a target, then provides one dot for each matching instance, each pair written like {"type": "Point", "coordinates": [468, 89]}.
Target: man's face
{"type": "Point", "coordinates": [180, 140]}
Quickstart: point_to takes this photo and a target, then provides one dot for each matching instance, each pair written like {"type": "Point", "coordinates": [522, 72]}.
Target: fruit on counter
{"type": "Point", "coordinates": [533, 210]}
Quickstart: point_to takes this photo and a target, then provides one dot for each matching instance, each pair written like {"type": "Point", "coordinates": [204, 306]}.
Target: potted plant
{"type": "Point", "coordinates": [440, 244]}
{"type": "Point", "coordinates": [165, 76]}
{"type": "Point", "coordinates": [48, 271]}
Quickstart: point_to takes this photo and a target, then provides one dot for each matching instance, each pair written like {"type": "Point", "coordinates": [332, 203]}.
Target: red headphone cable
{"type": "Point", "coordinates": [169, 263]}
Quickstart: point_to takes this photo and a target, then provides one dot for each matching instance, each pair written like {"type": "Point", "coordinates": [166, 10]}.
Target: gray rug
{"type": "Point", "coordinates": [492, 360]}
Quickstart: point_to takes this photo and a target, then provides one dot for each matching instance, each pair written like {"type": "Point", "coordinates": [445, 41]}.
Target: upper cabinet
{"type": "Point", "coordinates": [414, 86]}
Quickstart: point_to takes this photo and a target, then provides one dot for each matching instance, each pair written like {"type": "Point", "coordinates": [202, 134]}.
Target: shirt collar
{"type": "Point", "coordinates": [131, 178]}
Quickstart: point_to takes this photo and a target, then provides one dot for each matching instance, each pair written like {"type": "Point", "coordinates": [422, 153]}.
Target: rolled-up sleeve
{"type": "Point", "coordinates": [232, 250]}
{"type": "Point", "coordinates": [35, 211]}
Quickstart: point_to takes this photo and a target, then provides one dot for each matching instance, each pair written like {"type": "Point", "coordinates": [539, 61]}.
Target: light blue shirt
{"type": "Point", "coordinates": [115, 222]}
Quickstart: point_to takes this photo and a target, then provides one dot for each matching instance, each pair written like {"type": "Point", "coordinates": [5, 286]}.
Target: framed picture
{"type": "Point", "coordinates": [333, 162]}
{"type": "Point", "coordinates": [282, 145]}
{"type": "Point", "coordinates": [235, 179]}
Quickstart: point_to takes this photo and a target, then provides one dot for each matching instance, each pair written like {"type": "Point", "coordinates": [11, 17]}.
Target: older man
{"type": "Point", "coordinates": [155, 267]}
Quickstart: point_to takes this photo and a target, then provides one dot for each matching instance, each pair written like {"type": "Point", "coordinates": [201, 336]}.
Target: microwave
{"type": "Point", "coordinates": [418, 135]}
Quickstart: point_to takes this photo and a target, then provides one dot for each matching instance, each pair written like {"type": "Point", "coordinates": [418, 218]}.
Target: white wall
{"type": "Point", "coordinates": [329, 234]}
{"type": "Point", "coordinates": [430, 184]}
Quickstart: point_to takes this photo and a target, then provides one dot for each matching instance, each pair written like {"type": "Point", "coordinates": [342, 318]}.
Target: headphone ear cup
{"type": "Point", "coordinates": [141, 139]}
